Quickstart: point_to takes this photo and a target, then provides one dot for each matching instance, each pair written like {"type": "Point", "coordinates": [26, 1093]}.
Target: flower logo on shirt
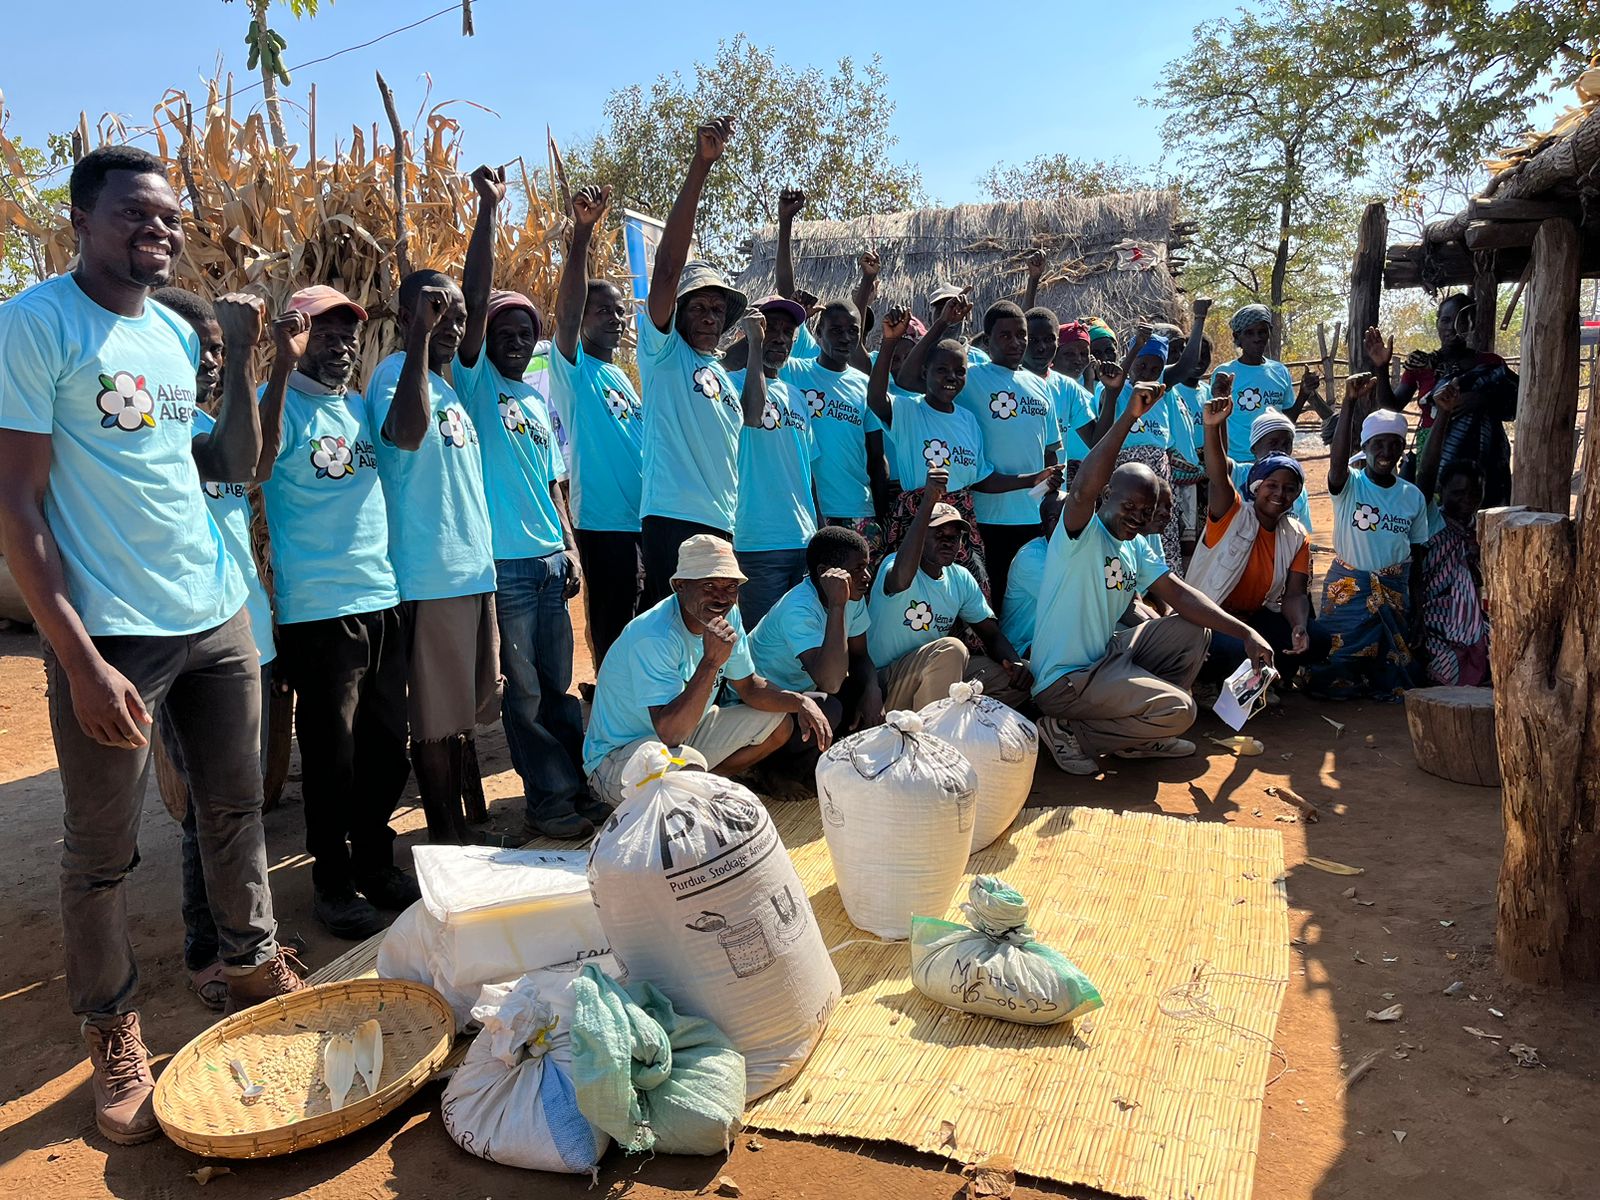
{"type": "Point", "coordinates": [816, 401]}
{"type": "Point", "coordinates": [1366, 517]}
{"type": "Point", "coordinates": [1003, 405]}
{"type": "Point", "coordinates": [1248, 399]}
{"type": "Point", "coordinates": [212, 489]}
{"type": "Point", "coordinates": [707, 383]}
{"type": "Point", "coordinates": [331, 457]}
{"type": "Point", "coordinates": [936, 453]}
{"type": "Point", "coordinates": [770, 416]}
{"type": "Point", "coordinates": [511, 415]}
{"type": "Point", "coordinates": [1117, 577]}
{"type": "Point", "coordinates": [919, 616]}
{"type": "Point", "coordinates": [617, 404]}
{"type": "Point", "coordinates": [452, 428]}
{"type": "Point", "coordinates": [124, 402]}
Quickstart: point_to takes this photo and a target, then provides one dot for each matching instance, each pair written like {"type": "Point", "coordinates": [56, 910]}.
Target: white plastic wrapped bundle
{"type": "Point", "coordinates": [696, 894]}
{"type": "Point", "coordinates": [995, 967]}
{"type": "Point", "coordinates": [1001, 744]}
{"type": "Point", "coordinates": [512, 1099]}
{"type": "Point", "coordinates": [897, 808]}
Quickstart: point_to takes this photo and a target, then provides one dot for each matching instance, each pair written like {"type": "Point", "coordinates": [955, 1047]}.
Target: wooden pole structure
{"type": "Point", "coordinates": [1543, 575]}
{"type": "Point", "coordinates": [1366, 287]}
{"type": "Point", "coordinates": [1547, 403]}
{"type": "Point", "coordinates": [1485, 298]}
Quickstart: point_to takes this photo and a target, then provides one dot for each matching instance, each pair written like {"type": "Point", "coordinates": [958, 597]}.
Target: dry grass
{"type": "Point", "coordinates": [270, 224]}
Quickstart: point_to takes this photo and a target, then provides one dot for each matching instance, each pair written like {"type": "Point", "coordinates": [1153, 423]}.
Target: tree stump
{"type": "Point", "coordinates": [1452, 733]}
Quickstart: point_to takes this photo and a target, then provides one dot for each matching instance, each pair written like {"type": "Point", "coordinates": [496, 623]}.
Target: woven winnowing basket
{"type": "Point", "coordinates": [280, 1044]}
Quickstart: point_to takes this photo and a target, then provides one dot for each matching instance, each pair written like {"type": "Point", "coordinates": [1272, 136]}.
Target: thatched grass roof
{"type": "Point", "coordinates": [1105, 257]}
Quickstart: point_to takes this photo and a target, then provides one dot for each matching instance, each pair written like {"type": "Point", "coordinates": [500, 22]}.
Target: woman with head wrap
{"type": "Point", "coordinates": [1259, 383]}
{"type": "Point", "coordinates": [1273, 433]}
{"type": "Point", "coordinates": [1378, 518]}
{"type": "Point", "coordinates": [1477, 385]}
{"type": "Point", "coordinates": [1254, 558]}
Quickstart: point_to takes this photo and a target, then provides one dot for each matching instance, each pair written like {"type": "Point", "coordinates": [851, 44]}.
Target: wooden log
{"type": "Point", "coordinates": [1452, 733]}
{"type": "Point", "coordinates": [1543, 574]}
{"type": "Point", "coordinates": [402, 161]}
{"type": "Point", "coordinates": [1501, 209]}
{"type": "Point", "coordinates": [1547, 399]}
{"type": "Point", "coordinates": [1366, 285]}
{"type": "Point", "coordinates": [1485, 299]}
{"type": "Point", "coordinates": [1500, 235]}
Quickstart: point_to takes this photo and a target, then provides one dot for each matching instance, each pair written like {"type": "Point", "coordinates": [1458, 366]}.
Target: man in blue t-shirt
{"type": "Point", "coordinates": [691, 408]}
{"type": "Point", "coordinates": [1102, 690]}
{"type": "Point", "coordinates": [141, 612]}
{"type": "Point", "coordinates": [536, 569]}
{"type": "Point", "coordinates": [605, 427]}
{"type": "Point", "coordinates": [442, 547]}
{"type": "Point", "coordinates": [339, 619]}
{"type": "Point", "coordinates": [670, 663]}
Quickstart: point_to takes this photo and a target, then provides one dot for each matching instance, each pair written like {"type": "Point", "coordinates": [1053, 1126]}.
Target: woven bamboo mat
{"type": "Point", "coordinates": [1146, 1097]}
{"type": "Point", "coordinates": [1157, 1095]}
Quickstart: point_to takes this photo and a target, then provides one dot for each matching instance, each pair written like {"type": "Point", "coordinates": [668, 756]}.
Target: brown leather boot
{"type": "Point", "coordinates": [123, 1084]}
{"type": "Point", "coordinates": [275, 977]}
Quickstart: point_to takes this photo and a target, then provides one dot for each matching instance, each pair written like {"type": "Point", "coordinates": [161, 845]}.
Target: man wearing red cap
{"type": "Point", "coordinates": [536, 570]}
{"type": "Point", "coordinates": [339, 627]}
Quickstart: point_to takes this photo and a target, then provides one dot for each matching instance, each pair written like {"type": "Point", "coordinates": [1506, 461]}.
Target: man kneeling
{"type": "Point", "coordinates": [1101, 690]}
{"type": "Point", "coordinates": [660, 680]}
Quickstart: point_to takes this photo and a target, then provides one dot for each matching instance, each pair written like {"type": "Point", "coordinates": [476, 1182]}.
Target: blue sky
{"type": "Point", "coordinates": [955, 75]}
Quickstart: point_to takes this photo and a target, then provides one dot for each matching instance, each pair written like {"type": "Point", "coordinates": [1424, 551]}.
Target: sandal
{"type": "Point", "coordinates": [211, 985]}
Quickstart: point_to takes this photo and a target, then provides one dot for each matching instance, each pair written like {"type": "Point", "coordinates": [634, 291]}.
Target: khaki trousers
{"type": "Point", "coordinates": [924, 675]}
{"type": "Point", "coordinates": [1137, 694]}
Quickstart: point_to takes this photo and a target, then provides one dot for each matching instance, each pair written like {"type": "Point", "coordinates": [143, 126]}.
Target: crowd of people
{"type": "Point", "coordinates": [777, 536]}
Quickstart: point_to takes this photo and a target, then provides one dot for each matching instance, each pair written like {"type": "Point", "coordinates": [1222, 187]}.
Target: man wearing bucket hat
{"type": "Point", "coordinates": [536, 568]}
{"type": "Point", "coordinates": [692, 411]}
{"type": "Point", "coordinates": [339, 624]}
{"type": "Point", "coordinates": [660, 682]}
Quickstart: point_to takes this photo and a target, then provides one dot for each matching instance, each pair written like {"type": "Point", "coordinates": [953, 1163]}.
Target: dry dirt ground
{"type": "Point", "coordinates": [1475, 1124]}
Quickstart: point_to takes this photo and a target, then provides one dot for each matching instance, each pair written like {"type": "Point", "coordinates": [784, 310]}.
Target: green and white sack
{"type": "Point", "coordinates": [995, 968]}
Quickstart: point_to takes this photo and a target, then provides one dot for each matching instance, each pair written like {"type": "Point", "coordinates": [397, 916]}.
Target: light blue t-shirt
{"type": "Point", "coordinates": [896, 394]}
{"type": "Point", "coordinates": [520, 459]}
{"type": "Point", "coordinates": [1188, 435]}
{"type": "Point", "coordinates": [139, 549]}
{"type": "Point", "coordinates": [230, 509]}
{"type": "Point", "coordinates": [1018, 422]}
{"type": "Point", "coordinates": [691, 432]}
{"type": "Point", "coordinates": [598, 406]}
{"type": "Point", "coordinates": [1375, 527]}
{"type": "Point", "coordinates": [775, 509]}
{"type": "Point", "coordinates": [923, 437]}
{"type": "Point", "coordinates": [325, 512]}
{"type": "Point", "coordinates": [840, 421]}
{"type": "Point", "coordinates": [1152, 429]}
{"type": "Point", "coordinates": [439, 535]}
{"type": "Point", "coordinates": [1302, 504]}
{"type": "Point", "coordinates": [648, 666]}
{"type": "Point", "coordinates": [924, 612]}
{"type": "Point", "coordinates": [1088, 581]}
{"type": "Point", "coordinates": [1021, 605]}
{"type": "Point", "coordinates": [798, 623]}
{"type": "Point", "coordinates": [1255, 389]}
{"type": "Point", "coordinates": [1074, 408]}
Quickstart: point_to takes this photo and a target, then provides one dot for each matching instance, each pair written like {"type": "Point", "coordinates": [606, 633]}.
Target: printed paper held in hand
{"type": "Point", "coordinates": [1244, 694]}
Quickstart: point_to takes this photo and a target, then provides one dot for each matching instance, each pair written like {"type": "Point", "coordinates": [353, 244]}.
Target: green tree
{"type": "Point", "coordinates": [1462, 74]}
{"type": "Point", "coordinates": [22, 260]}
{"type": "Point", "coordinates": [266, 53]}
{"type": "Point", "coordinates": [825, 132]}
{"type": "Point", "coordinates": [1065, 177]}
{"type": "Point", "coordinates": [1273, 139]}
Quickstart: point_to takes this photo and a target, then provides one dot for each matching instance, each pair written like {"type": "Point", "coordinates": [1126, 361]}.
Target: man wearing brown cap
{"type": "Point", "coordinates": [341, 642]}
{"type": "Point", "coordinates": [661, 680]}
{"type": "Point", "coordinates": [536, 570]}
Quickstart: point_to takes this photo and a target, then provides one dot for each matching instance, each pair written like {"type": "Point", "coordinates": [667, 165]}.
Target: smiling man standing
{"type": "Point", "coordinates": [141, 614]}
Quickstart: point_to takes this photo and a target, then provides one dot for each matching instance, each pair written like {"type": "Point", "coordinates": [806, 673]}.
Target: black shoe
{"type": "Point", "coordinates": [346, 915]}
{"type": "Point", "coordinates": [389, 888]}
{"type": "Point", "coordinates": [596, 812]}
{"type": "Point", "coordinates": [563, 826]}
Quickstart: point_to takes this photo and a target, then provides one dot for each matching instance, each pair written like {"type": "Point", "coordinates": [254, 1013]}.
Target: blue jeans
{"type": "Point", "coordinates": [771, 574]}
{"type": "Point", "coordinates": [543, 723]}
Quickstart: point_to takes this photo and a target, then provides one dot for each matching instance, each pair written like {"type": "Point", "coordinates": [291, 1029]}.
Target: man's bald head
{"type": "Point", "coordinates": [1130, 500]}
